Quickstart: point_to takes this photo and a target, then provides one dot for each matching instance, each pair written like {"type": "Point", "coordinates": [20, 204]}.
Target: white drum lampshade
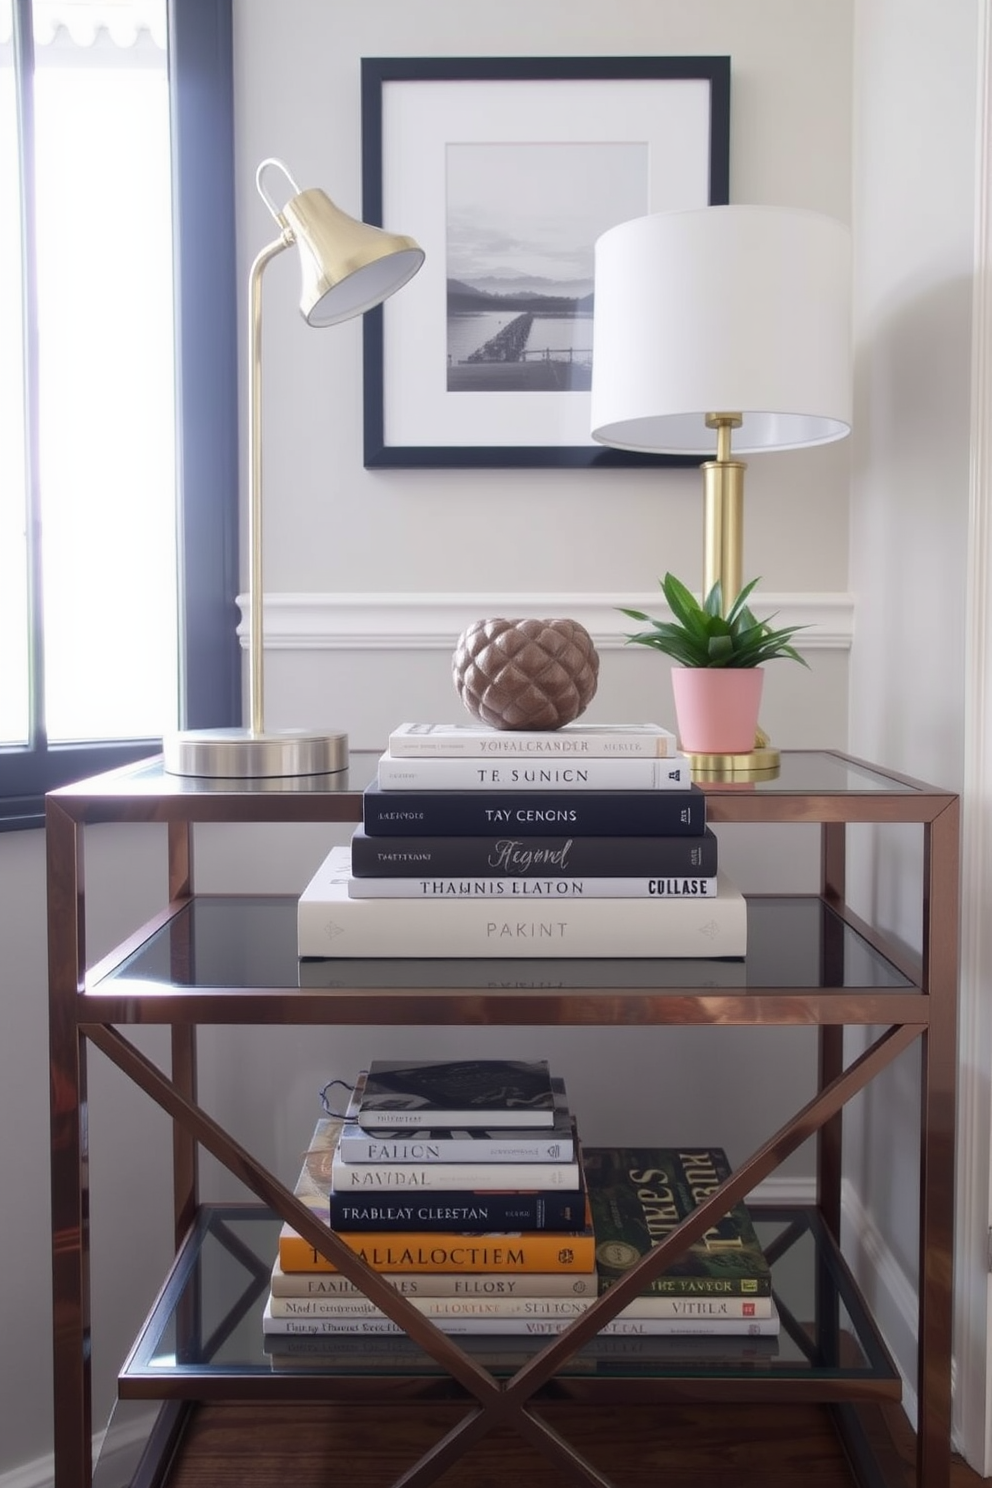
{"type": "Point", "coordinates": [738, 309]}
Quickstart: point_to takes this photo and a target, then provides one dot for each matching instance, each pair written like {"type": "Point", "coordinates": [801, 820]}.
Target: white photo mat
{"type": "Point", "coordinates": [665, 124]}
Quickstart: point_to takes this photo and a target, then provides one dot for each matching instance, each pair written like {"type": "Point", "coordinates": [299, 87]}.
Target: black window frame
{"type": "Point", "coordinates": [201, 93]}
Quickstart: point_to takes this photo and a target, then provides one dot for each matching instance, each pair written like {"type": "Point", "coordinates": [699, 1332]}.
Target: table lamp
{"type": "Point", "coordinates": [347, 268]}
{"type": "Point", "coordinates": [715, 320]}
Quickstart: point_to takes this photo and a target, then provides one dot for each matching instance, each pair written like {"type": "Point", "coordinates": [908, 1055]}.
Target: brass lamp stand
{"type": "Point", "coordinates": [347, 267]}
{"type": "Point", "coordinates": [723, 544]}
{"type": "Point", "coordinates": [706, 309]}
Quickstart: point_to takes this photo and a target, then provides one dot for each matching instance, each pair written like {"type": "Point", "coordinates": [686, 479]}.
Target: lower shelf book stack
{"type": "Point", "coordinates": [485, 1228]}
{"type": "Point", "coordinates": [500, 1234]}
{"type": "Point", "coordinates": [528, 850]}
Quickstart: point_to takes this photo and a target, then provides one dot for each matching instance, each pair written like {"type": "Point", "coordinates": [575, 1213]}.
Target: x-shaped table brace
{"type": "Point", "coordinates": [502, 1402]}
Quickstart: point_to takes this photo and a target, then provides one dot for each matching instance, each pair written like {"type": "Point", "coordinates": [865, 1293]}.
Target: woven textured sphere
{"type": "Point", "coordinates": [525, 674]}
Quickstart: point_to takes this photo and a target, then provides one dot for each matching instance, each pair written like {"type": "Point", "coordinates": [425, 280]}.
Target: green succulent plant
{"type": "Point", "coordinates": [702, 636]}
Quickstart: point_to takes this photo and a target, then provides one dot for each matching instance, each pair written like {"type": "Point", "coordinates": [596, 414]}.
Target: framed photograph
{"type": "Point", "coordinates": [506, 171]}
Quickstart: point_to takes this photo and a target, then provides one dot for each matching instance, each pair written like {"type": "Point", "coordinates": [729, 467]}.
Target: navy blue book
{"type": "Point", "coordinates": [513, 856]}
{"type": "Point", "coordinates": [459, 1213]}
{"type": "Point", "coordinates": [531, 813]}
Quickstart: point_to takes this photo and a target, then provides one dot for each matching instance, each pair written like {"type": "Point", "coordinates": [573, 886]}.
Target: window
{"type": "Point", "coordinates": [117, 579]}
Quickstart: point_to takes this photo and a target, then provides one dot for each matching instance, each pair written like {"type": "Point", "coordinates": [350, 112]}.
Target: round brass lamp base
{"type": "Point", "coordinates": [761, 763]}
{"type": "Point", "coordinates": [239, 754]}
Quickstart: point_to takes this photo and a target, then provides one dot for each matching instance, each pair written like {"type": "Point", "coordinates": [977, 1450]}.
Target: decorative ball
{"type": "Point", "coordinates": [525, 674]}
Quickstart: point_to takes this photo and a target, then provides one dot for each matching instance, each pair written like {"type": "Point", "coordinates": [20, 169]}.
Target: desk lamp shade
{"type": "Point", "coordinates": [347, 268]}
{"type": "Point", "coordinates": [732, 309]}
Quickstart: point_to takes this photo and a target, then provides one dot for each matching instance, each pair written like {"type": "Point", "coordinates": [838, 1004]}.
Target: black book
{"type": "Point", "coordinates": [477, 1213]}
{"type": "Point", "coordinates": [515, 856]}
{"type": "Point", "coordinates": [533, 813]}
{"type": "Point", "coordinates": [555, 1143]}
{"type": "Point", "coordinates": [457, 1093]}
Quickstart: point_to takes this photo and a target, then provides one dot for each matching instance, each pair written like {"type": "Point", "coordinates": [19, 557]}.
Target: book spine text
{"type": "Point", "coordinates": [514, 856]}
{"type": "Point", "coordinates": [472, 1213]}
{"type": "Point", "coordinates": [532, 1284]}
{"type": "Point", "coordinates": [492, 1254]}
{"type": "Point", "coordinates": [358, 1146]}
{"type": "Point", "coordinates": [448, 741]}
{"type": "Point", "coordinates": [475, 813]}
{"type": "Point", "coordinates": [374, 1177]}
{"type": "Point", "coordinates": [516, 889]}
{"type": "Point", "coordinates": [523, 774]}
{"type": "Point", "coordinates": [750, 1327]}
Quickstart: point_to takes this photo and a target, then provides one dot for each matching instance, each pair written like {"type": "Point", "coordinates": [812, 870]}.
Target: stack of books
{"type": "Point", "coordinates": [461, 1182]}
{"type": "Point", "coordinates": [497, 1229]}
{"type": "Point", "coordinates": [587, 841]}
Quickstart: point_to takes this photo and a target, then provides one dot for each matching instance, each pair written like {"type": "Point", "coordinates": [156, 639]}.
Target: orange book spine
{"type": "Point", "coordinates": [544, 1250]}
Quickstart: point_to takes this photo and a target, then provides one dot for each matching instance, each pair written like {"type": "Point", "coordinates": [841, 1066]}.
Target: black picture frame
{"type": "Point", "coordinates": [386, 129]}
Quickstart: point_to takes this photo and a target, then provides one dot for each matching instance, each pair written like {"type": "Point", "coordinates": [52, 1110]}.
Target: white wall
{"type": "Point", "coordinates": [130, 1211]}
{"type": "Point", "coordinates": [496, 534]}
{"type": "Point", "coordinates": [914, 196]}
{"type": "Point", "coordinates": [333, 527]}
{"type": "Point", "coordinates": [914, 230]}
{"type": "Point", "coordinates": [342, 528]}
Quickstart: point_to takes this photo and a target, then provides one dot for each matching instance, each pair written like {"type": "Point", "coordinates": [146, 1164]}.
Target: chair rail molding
{"type": "Point", "coordinates": [429, 622]}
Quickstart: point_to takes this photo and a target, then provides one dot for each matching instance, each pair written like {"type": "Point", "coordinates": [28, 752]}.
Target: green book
{"type": "Point", "coordinates": [639, 1194]}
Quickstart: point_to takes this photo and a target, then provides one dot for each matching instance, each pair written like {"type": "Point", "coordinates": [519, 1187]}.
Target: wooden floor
{"type": "Point", "coordinates": [305, 1446]}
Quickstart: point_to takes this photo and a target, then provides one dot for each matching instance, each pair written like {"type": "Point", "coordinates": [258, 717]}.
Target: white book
{"type": "Point", "coordinates": [767, 1327]}
{"type": "Point", "coordinates": [589, 740]}
{"type": "Point", "coordinates": [642, 1308]}
{"type": "Point", "coordinates": [521, 772]}
{"type": "Point", "coordinates": [715, 1309]}
{"type": "Point", "coordinates": [519, 889]}
{"type": "Point", "coordinates": [331, 924]}
{"type": "Point", "coordinates": [432, 1307]}
{"type": "Point", "coordinates": [455, 1177]}
{"type": "Point", "coordinates": [304, 1284]}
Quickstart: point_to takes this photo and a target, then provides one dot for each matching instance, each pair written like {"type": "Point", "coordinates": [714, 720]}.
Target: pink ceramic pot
{"type": "Point", "coordinates": [716, 708]}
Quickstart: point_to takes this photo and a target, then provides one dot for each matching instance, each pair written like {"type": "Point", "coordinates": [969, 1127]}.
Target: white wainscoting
{"type": "Point", "coordinates": [408, 622]}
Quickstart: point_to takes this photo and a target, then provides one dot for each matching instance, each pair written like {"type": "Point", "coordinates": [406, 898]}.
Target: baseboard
{"type": "Point", "coordinates": [890, 1293]}
{"type": "Point", "coordinates": [894, 1301]}
{"type": "Point", "coordinates": [117, 1440]}
{"type": "Point", "coordinates": [37, 1474]}
{"type": "Point", "coordinates": [783, 1192]}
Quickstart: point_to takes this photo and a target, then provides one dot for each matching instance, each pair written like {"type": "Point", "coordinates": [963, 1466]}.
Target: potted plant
{"type": "Point", "coordinates": [718, 678]}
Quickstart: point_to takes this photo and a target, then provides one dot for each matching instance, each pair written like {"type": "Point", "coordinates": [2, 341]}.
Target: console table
{"type": "Point", "coordinates": [202, 1341]}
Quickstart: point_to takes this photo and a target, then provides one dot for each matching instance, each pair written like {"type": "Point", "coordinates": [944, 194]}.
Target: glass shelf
{"type": "Point", "coordinates": [203, 1338]}
{"type": "Point", "coordinates": [817, 772]}
{"type": "Point", "coordinates": [228, 942]}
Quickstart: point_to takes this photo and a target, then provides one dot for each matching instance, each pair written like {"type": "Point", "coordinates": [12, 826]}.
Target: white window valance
{"type": "Point", "coordinates": [93, 23]}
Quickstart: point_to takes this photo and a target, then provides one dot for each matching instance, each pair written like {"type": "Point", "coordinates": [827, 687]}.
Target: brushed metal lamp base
{"type": "Point", "coordinates": [761, 763]}
{"type": "Point", "coordinates": [240, 754]}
